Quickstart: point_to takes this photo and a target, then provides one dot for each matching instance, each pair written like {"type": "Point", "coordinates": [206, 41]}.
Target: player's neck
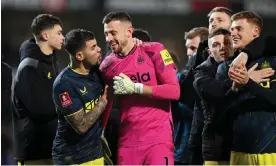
{"type": "Point", "coordinates": [45, 48]}
{"type": "Point", "coordinates": [79, 68]}
{"type": "Point", "coordinates": [127, 48]}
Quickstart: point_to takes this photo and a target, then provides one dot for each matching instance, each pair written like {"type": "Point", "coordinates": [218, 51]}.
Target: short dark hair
{"type": "Point", "coordinates": [251, 17]}
{"type": "Point", "coordinates": [222, 10]}
{"type": "Point", "coordinates": [141, 34]}
{"type": "Point", "coordinates": [76, 39]}
{"type": "Point", "coordinates": [113, 16]}
{"type": "Point", "coordinates": [44, 21]}
{"type": "Point", "coordinates": [202, 32]}
{"type": "Point", "coordinates": [219, 31]}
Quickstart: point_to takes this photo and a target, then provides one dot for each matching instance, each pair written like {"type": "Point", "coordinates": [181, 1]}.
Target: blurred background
{"type": "Point", "coordinates": [165, 20]}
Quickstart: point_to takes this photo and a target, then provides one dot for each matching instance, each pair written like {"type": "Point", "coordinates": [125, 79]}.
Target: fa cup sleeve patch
{"type": "Point", "coordinates": [65, 99]}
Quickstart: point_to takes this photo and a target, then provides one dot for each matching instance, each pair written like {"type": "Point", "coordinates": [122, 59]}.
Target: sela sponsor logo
{"type": "Point", "coordinates": [144, 77]}
{"type": "Point", "coordinates": [91, 104]}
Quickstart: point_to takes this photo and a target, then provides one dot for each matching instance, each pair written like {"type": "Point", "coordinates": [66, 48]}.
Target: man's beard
{"type": "Point", "coordinates": [90, 66]}
{"type": "Point", "coordinates": [121, 45]}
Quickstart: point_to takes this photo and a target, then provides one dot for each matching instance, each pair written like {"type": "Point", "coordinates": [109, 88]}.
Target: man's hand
{"type": "Point", "coordinates": [239, 75]}
{"type": "Point", "coordinates": [137, 41]}
{"type": "Point", "coordinates": [123, 85]}
{"type": "Point", "coordinates": [259, 76]}
{"type": "Point", "coordinates": [239, 60]}
{"type": "Point", "coordinates": [237, 63]}
{"type": "Point", "coordinates": [104, 95]}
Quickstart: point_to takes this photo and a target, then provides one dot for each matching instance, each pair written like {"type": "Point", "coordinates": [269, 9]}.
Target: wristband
{"type": "Point", "coordinates": [139, 88]}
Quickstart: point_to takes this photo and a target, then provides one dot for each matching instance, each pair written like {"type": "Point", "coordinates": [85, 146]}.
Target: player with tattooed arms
{"type": "Point", "coordinates": [80, 101]}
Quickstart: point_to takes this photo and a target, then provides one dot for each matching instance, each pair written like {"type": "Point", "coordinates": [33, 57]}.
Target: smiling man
{"type": "Point", "coordinates": [254, 131]}
{"type": "Point", "coordinates": [144, 79]}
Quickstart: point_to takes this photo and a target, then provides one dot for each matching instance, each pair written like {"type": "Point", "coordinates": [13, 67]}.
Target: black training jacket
{"type": "Point", "coordinates": [34, 113]}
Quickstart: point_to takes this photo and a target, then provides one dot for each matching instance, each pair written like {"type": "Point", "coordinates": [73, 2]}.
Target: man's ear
{"type": "Point", "coordinates": [79, 56]}
{"type": "Point", "coordinates": [44, 36]}
{"type": "Point", "coordinates": [130, 30]}
{"type": "Point", "coordinates": [209, 52]}
{"type": "Point", "coordinates": [256, 31]}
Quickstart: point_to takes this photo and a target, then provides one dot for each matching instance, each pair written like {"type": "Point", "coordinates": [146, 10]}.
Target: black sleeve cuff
{"type": "Point", "coordinates": [251, 84]}
{"type": "Point", "coordinates": [228, 83]}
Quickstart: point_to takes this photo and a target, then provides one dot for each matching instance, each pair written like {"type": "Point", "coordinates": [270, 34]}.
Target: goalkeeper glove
{"type": "Point", "coordinates": [123, 85]}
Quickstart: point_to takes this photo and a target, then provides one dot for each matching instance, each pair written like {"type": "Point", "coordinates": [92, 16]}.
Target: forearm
{"type": "Point", "coordinates": [168, 88]}
{"type": "Point", "coordinates": [166, 91]}
{"type": "Point", "coordinates": [93, 115]}
{"type": "Point", "coordinates": [170, 92]}
{"type": "Point", "coordinates": [82, 121]}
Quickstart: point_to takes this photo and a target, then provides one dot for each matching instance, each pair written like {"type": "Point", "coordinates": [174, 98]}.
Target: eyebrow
{"type": "Point", "coordinates": [110, 31]}
{"type": "Point", "coordinates": [216, 42]}
{"type": "Point", "coordinates": [217, 17]}
{"type": "Point", "coordinates": [236, 27]}
{"type": "Point", "coordinates": [93, 46]}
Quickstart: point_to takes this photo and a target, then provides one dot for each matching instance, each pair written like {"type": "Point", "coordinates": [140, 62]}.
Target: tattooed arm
{"type": "Point", "coordinates": [71, 106]}
{"type": "Point", "coordinates": [82, 121]}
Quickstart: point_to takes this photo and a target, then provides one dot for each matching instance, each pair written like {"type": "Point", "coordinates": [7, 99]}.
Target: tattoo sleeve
{"type": "Point", "coordinates": [82, 121]}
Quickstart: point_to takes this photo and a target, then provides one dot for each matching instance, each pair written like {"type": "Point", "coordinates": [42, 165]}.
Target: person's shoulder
{"type": "Point", "coordinates": [207, 64]}
{"type": "Point", "coordinates": [203, 65]}
{"type": "Point", "coordinates": [108, 61]}
{"type": "Point", "coordinates": [29, 65]}
{"type": "Point", "coordinates": [61, 80]}
{"type": "Point", "coordinates": [152, 46]}
{"type": "Point", "coordinates": [267, 61]}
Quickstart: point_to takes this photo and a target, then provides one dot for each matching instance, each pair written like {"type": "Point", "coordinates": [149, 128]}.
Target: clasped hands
{"type": "Point", "coordinates": [240, 76]}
